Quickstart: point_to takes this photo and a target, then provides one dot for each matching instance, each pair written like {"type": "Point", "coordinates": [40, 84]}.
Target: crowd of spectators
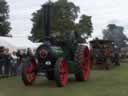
{"type": "Point", "coordinates": [11, 63]}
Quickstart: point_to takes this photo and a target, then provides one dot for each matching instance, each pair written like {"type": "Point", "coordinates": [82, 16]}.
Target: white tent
{"type": "Point", "coordinates": [15, 43]}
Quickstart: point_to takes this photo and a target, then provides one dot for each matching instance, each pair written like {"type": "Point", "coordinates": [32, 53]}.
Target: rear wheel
{"type": "Point", "coordinates": [83, 66]}
{"type": "Point", "coordinates": [61, 72]}
{"type": "Point", "coordinates": [29, 72]}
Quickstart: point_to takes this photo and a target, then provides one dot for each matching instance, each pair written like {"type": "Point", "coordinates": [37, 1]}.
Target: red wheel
{"type": "Point", "coordinates": [61, 72]}
{"type": "Point", "coordinates": [29, 72]}
{"type": "Point", "coordinates": [86, 63]}
{"type": "Point", "coordinates": [83, 66]}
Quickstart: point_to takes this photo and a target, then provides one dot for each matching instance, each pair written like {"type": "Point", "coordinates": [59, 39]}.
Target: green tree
{"type": "Point", "coordinates": [62, 18]}
{"type": "Point", "coordinates": [85, 25]}
{"type": "Point", "coordinates": [4, 16]}
{"type": "Point", "coordinates": [115, 33]}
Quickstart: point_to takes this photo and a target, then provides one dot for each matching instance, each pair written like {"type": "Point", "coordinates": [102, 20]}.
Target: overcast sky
{"type": "Point", "coordinates": [102, 12]}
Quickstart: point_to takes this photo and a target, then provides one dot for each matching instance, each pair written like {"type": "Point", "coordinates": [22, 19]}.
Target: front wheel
{"type": "Point", "coordinates": [29, 71]}
{"type": "Point", "coordinates": [61, 72]}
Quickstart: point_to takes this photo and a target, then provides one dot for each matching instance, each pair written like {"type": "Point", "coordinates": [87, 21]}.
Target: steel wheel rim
{"type": "Point", "coordinates": [86, 64]}
{"type": "Point", "coordinates": [64, 73]}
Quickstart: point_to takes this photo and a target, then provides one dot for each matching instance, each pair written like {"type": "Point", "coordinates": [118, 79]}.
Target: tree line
{"type": "Point", "coordinates": [64, 17]}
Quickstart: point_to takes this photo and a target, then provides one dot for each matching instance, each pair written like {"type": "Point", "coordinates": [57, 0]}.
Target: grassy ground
{"type": "Point", "coordinates": [101, 83]}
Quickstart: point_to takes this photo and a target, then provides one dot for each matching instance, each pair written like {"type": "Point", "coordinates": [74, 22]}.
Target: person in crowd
{"type": "Point", "coordinates": [29, 52]}
{"type": "Point", "coordinates": [7, 63]}
{"type": "Point", "coordinates": [19, 59]}
{"type": "Point", "coordinates": [14, 66]}
{"type": "Point", "coordinates": [20, 55]}
{"type": "Point", "coordinates": [2, 60]}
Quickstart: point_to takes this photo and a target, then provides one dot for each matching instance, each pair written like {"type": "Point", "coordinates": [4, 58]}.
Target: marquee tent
{"type": "Point", "coordinates": [16, 43]}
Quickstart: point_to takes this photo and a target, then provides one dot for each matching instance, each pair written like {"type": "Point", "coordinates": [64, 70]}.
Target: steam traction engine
{"type": "Point", "coordinates": [57, 57]}
{"type": "Point", "coordinates": [104, 54]}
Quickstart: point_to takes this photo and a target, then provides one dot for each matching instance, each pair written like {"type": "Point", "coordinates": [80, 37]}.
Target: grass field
{"type": "Point", "coordinates": [101, 83]}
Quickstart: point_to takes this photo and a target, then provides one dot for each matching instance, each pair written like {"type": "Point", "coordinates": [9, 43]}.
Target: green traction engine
{"type": "Point", "coordinates": [56, 58]}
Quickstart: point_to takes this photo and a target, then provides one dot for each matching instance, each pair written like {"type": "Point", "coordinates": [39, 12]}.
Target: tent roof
{"type": "Point", "coordinates": [19, 43]}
